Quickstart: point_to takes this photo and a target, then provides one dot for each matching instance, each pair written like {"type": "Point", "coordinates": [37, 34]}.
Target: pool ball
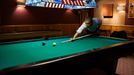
{"type": "Point", "coordinates": [54, 44]}
{"type": "Point", "coordinates": [43, 43]}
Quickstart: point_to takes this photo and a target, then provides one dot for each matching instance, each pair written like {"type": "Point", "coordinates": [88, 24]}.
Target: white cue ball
{"type": "Point", "coordinates": [54, 44]}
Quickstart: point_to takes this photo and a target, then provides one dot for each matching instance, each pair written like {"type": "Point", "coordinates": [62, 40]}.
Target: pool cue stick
{"type": "Point", "coordinates": [77, 38]}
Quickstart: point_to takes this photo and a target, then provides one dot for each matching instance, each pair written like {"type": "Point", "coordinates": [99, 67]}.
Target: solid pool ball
{"type": "Point", "coordinates": [43, 43]}
{"type": "Point", "coordinates": [54, 44]}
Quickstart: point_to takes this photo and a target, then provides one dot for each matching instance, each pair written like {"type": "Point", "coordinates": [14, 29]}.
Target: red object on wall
{"type": "Point", "coordinates": [107, 10]}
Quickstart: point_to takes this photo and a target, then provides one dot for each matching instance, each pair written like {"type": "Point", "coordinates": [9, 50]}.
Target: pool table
{"type": "Point", "coordinates": [28, 56]}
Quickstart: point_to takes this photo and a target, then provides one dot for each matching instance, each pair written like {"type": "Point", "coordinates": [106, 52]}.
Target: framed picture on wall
{"type": "Point", "coordinates": [131, 9]}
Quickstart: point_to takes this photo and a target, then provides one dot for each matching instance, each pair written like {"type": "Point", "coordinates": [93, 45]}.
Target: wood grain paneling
{"type": "Point", "coordinates": [128, 28]}
{"type": "Point", "coordinates": [33, 31]}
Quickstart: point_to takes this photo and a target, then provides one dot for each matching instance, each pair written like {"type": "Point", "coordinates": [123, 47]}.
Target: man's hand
{"type": "Point", "coordinates": [72, 39]}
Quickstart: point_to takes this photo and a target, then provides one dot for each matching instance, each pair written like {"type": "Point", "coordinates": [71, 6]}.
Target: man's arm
{"type": "Point", "coordinates": [79, 31]}
{"type": "Point", "coordinates": [75, 35]}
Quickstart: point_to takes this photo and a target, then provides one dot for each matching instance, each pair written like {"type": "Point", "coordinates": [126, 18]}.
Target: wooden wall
{"type": "Point", "coordinates": [20, 32]}
{"type": "Point", "coordinates": [111, 28]}
{"type": "Point", "coordinates": [15, 21]}
{"type": "Point", "coordinates": [65, 28]}
{"type": "Point", "coordinates": [13, 15]}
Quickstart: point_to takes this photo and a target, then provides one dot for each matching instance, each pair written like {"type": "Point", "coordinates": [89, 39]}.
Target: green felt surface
{"type": "Point", "coordinates": [21, 53]}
